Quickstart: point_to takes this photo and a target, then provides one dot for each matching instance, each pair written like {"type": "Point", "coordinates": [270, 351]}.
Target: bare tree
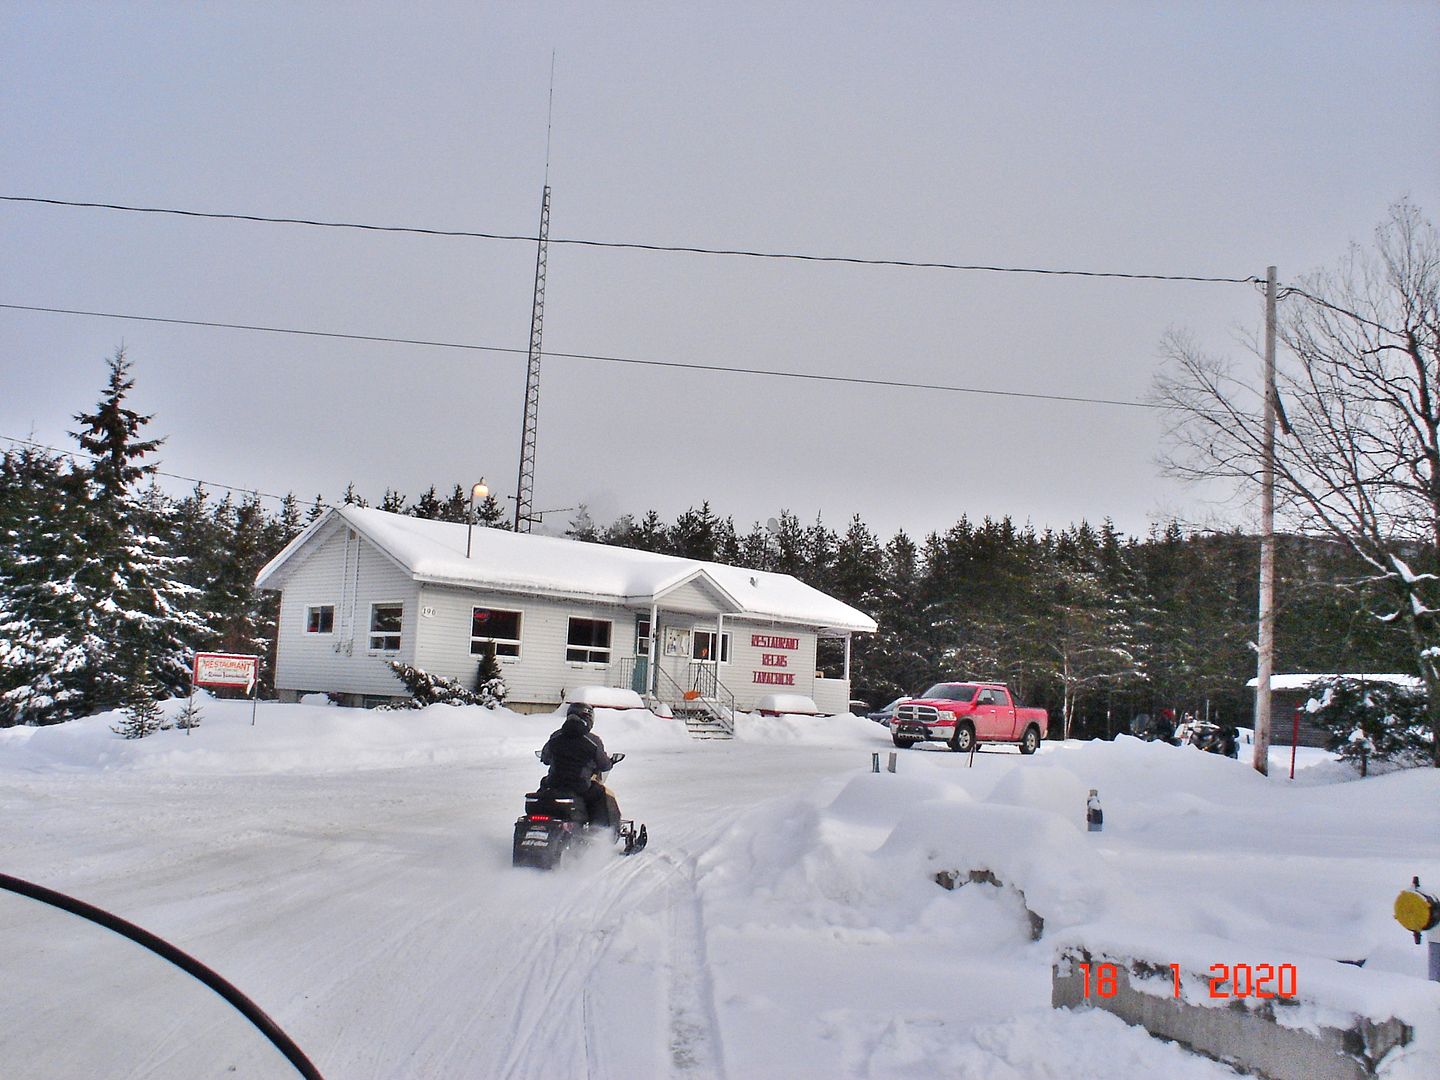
{"type": "Point", "coordinates": [1358, 458]}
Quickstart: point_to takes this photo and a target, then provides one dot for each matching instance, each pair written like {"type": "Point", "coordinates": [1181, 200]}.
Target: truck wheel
{"type": "Point", "coordinates": [964, 739]}
{"type": "Point", "coordinates": [901, 742]}
{"type": "Point", "coordinates": [1030, 741]}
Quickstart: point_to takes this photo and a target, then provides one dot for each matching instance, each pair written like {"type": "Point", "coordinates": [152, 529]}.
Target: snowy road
{"type": "Point", "coordinates": [375, 915]}
{"type": "Point", "coordinates": [351, 873]}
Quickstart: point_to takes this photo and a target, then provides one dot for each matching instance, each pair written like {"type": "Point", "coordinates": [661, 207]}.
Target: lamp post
{"type": "Point", "coordinates": [477, 491]}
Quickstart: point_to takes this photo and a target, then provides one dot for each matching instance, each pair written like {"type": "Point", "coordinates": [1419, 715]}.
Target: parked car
{"type": "Point", "coordinates": [859, 708]}
{"type": "Point", "coordinates": [886, 713]}
{"type": "Point", "coordinates": [963, 715]}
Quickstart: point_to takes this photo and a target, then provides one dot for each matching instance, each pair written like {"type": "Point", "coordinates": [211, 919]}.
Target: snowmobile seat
{"type": "Point", "coordinates": [555, 805]}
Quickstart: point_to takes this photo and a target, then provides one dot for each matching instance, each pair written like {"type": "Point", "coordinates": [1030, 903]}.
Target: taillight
{"type": "Point", "coordinates": [539, 817]}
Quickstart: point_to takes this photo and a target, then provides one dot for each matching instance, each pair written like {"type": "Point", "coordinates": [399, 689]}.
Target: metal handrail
{"type": "Point", "coordinates": [718, 703]}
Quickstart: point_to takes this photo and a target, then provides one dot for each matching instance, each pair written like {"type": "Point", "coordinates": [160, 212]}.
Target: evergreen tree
{"type": "Point", "coordinates": [428, 506]}
{"type": "Point", "coordinates": [693, 535]}
{"type": "Point", "coordinates": [290, 523]}
{"type": "Point", "coordinates": [427, 689]}
{"type": "Point", "coordinates": [317, 508]}
{"type": "Point", "coordinates": [491, 514]}
{"type": "Point", "coordinates": [789, 540]}
{"type": "Point", "coordinates": [490, 680]}
{"type": "Point", "coordinates": [650, 536]}
{"type": "Point", "coordinates": [39, 644]}
{"type": "Point", "coordinates": [141, 716]}
{"type": "Point", "coordinates": [621, 532]}
{"type": "Point", "coordinates": [456, 506]}
{"type": "Point", "coordinates": [582, 526]}
{"type": "Point", "coordinates": [129, 598]}
{"type": "Point", "coordinates": [756, 548]}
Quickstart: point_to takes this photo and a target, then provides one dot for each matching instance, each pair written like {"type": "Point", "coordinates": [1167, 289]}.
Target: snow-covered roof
{"type": "Point", "coordinates": [434, 551]}
{"type": "Point", "coordinates": [1303, 682]}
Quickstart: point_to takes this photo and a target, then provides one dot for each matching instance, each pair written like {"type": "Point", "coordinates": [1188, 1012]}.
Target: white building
{"type": "Point", "coordinates": [361, 586]}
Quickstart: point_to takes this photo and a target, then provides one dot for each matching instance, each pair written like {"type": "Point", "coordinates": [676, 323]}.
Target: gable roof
{"type": "Point", "coordinates": [502, 561]}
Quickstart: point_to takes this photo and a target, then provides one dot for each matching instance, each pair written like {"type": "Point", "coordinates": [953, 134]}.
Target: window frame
{"type": "Point", "coordinates": [590, 650]}
{"type": "Point", "coordinates": [372, 634]}
{"type": "Point", "coordinates": [310, 610]}
{"type": "Point", "coordinates": [517, 641]}
{"type": "Point", "coordinates": [725, 643]}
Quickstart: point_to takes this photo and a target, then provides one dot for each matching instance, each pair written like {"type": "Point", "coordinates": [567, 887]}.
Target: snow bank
{"type": "Point", "coordinates": [609, 697]}
{"type": "Point", "coordinates": [313, 738]}
{"type": "Point", "coordinates": [841, 730]}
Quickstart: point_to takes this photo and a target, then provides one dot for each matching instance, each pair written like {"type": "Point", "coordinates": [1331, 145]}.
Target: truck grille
{"type": "Point", "coordinates": [917, 714]}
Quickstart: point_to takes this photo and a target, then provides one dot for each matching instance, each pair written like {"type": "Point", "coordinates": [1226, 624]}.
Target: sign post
{"type": "Point", "coordinates": [228, 669]}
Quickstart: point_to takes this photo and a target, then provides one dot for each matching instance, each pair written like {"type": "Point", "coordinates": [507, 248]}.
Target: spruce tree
{"type": "Point", "coordinates": [39, 646]}
{"type": "Point", "coordinates": [129, 599]}
{"type": "Point", "coordinates": [141, 716]}
{"type": "Point", "coordinates": [490, 680]}
{"type": "Point", "coordinates": [491, 514]}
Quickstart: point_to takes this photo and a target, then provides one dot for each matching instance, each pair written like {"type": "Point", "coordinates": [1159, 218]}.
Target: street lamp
{"type": "Point", "coordinates": [477, 491]}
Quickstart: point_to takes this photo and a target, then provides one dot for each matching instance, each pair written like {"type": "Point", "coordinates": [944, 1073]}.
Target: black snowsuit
{"type": "Point", "coordinates": [577, 758]}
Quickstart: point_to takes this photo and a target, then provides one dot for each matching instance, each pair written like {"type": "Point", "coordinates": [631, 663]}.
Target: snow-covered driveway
{"type": "Point", "coordinates": [351, 873]}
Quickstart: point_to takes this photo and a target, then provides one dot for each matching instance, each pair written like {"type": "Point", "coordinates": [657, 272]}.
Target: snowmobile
{"type": "Point", "coordinates": [1215, 738]}
{"type": "Point", "coordinates": [555, 822]}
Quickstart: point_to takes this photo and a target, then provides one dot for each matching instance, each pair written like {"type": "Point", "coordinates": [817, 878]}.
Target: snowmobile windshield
{"type": "Point", "coordinates": [949, 691]}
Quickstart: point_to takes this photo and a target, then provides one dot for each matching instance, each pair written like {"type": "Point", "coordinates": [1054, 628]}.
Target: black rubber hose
{"type": "Point", "coordinates": [183, 961]}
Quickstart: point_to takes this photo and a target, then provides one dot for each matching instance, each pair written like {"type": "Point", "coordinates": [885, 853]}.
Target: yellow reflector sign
{"type": "Point", "coordinates": [1416, 911]}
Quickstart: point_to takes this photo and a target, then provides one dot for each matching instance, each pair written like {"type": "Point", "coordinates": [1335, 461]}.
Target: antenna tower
{"type": "Point", "coordinates": [525, 487]}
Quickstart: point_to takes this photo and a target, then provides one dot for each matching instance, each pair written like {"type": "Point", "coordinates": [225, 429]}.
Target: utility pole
{"type": "Point", "coordinates": [1265, 661]}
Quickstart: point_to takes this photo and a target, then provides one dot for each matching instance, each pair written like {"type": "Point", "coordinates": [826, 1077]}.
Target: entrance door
{"type": "Point", "coordinates": [640, 677]}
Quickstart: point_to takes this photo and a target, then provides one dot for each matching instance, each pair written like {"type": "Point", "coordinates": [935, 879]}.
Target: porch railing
{"type": "Point", "coordinates": [714, 703]}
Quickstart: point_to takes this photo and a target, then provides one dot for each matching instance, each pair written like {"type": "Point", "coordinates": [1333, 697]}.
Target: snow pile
{"type": "Point", "coordinates": [1181, 874]}
{"type": "Point", "coordinates": [799, 728]}
{"type": "Point", "coordinates": [307, 738]}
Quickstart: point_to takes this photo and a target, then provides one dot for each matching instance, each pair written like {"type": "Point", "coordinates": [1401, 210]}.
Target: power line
{"type": "Point", "coordinates": [677, 364]}
{"type": "Point", "coordinates": [631, 246]}
{"type": "Point", "coordinates": [75, 456]}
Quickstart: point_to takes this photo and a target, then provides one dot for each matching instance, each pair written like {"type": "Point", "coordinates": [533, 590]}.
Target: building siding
{"type": "Point", "coordinates": [541, 674]}
{"type": "Point", "coordinates": [350, 575]}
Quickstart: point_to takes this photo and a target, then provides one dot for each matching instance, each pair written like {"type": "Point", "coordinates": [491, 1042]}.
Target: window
{"type": "Point", "coordinates": [702, 646]}
{"type": "Point", "coordinates": [949, 692]}
{"type": "Point", "coordinates": [588, 641]}
{"type": "Point", "coordinates": [320, 620]}
{"type": "Point", "coordinates": [493, 626]}
{"type": "Point", "coordinates": [385, 627]}
{"type": "Point", "coordinates": [642, 636]}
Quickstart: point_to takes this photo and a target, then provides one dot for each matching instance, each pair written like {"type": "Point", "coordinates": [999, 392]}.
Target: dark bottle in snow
{"type": "Point", "coordinates": [1094, 816]}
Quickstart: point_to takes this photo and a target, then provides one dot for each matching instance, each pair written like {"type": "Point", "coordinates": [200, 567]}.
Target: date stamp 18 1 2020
{"type": "Point", "coordinates": [1226, 980]}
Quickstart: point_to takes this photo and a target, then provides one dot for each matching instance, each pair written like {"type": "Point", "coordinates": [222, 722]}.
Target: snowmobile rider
{"type": "Point", "coordinates": [577, 759]}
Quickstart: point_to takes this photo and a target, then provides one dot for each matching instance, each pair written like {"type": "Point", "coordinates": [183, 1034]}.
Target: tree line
{"type": "Point", "coordinates": [106, 581]}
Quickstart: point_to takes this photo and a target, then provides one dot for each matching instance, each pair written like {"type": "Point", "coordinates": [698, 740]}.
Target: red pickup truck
{"type": "Point", "coordinates": [965, 714]}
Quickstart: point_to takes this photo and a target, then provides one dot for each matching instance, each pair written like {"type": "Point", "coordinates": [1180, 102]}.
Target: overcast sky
{"type": "Point", "coordinates": [1201, 139]}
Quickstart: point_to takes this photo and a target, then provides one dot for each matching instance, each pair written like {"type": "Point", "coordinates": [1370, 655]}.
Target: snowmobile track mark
{"type": "Point", "coordinates": [694, 1045]}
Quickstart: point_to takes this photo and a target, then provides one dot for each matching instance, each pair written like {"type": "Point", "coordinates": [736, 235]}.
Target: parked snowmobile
{"type": "Point", "coordinates": [555, 822]}
{"type": "Point", "coordinates": [1215, 738]}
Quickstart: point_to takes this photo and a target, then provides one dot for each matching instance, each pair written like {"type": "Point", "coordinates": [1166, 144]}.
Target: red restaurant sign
{"type": "Point", "coordinates": [774, 659]}
{"type": "Point", "coordinates": [226, 669]}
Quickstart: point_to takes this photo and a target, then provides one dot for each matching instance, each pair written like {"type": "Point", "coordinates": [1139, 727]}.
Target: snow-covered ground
{"type": "Point", "coordinates": [350, 872]}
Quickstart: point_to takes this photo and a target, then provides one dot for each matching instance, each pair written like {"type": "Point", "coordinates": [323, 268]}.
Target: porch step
{"type": "Point", "coordinates": [702, 723]}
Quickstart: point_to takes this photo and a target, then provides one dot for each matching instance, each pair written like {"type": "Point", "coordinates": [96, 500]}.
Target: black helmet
{"type": "Point", "coordinates": [583, 712]}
